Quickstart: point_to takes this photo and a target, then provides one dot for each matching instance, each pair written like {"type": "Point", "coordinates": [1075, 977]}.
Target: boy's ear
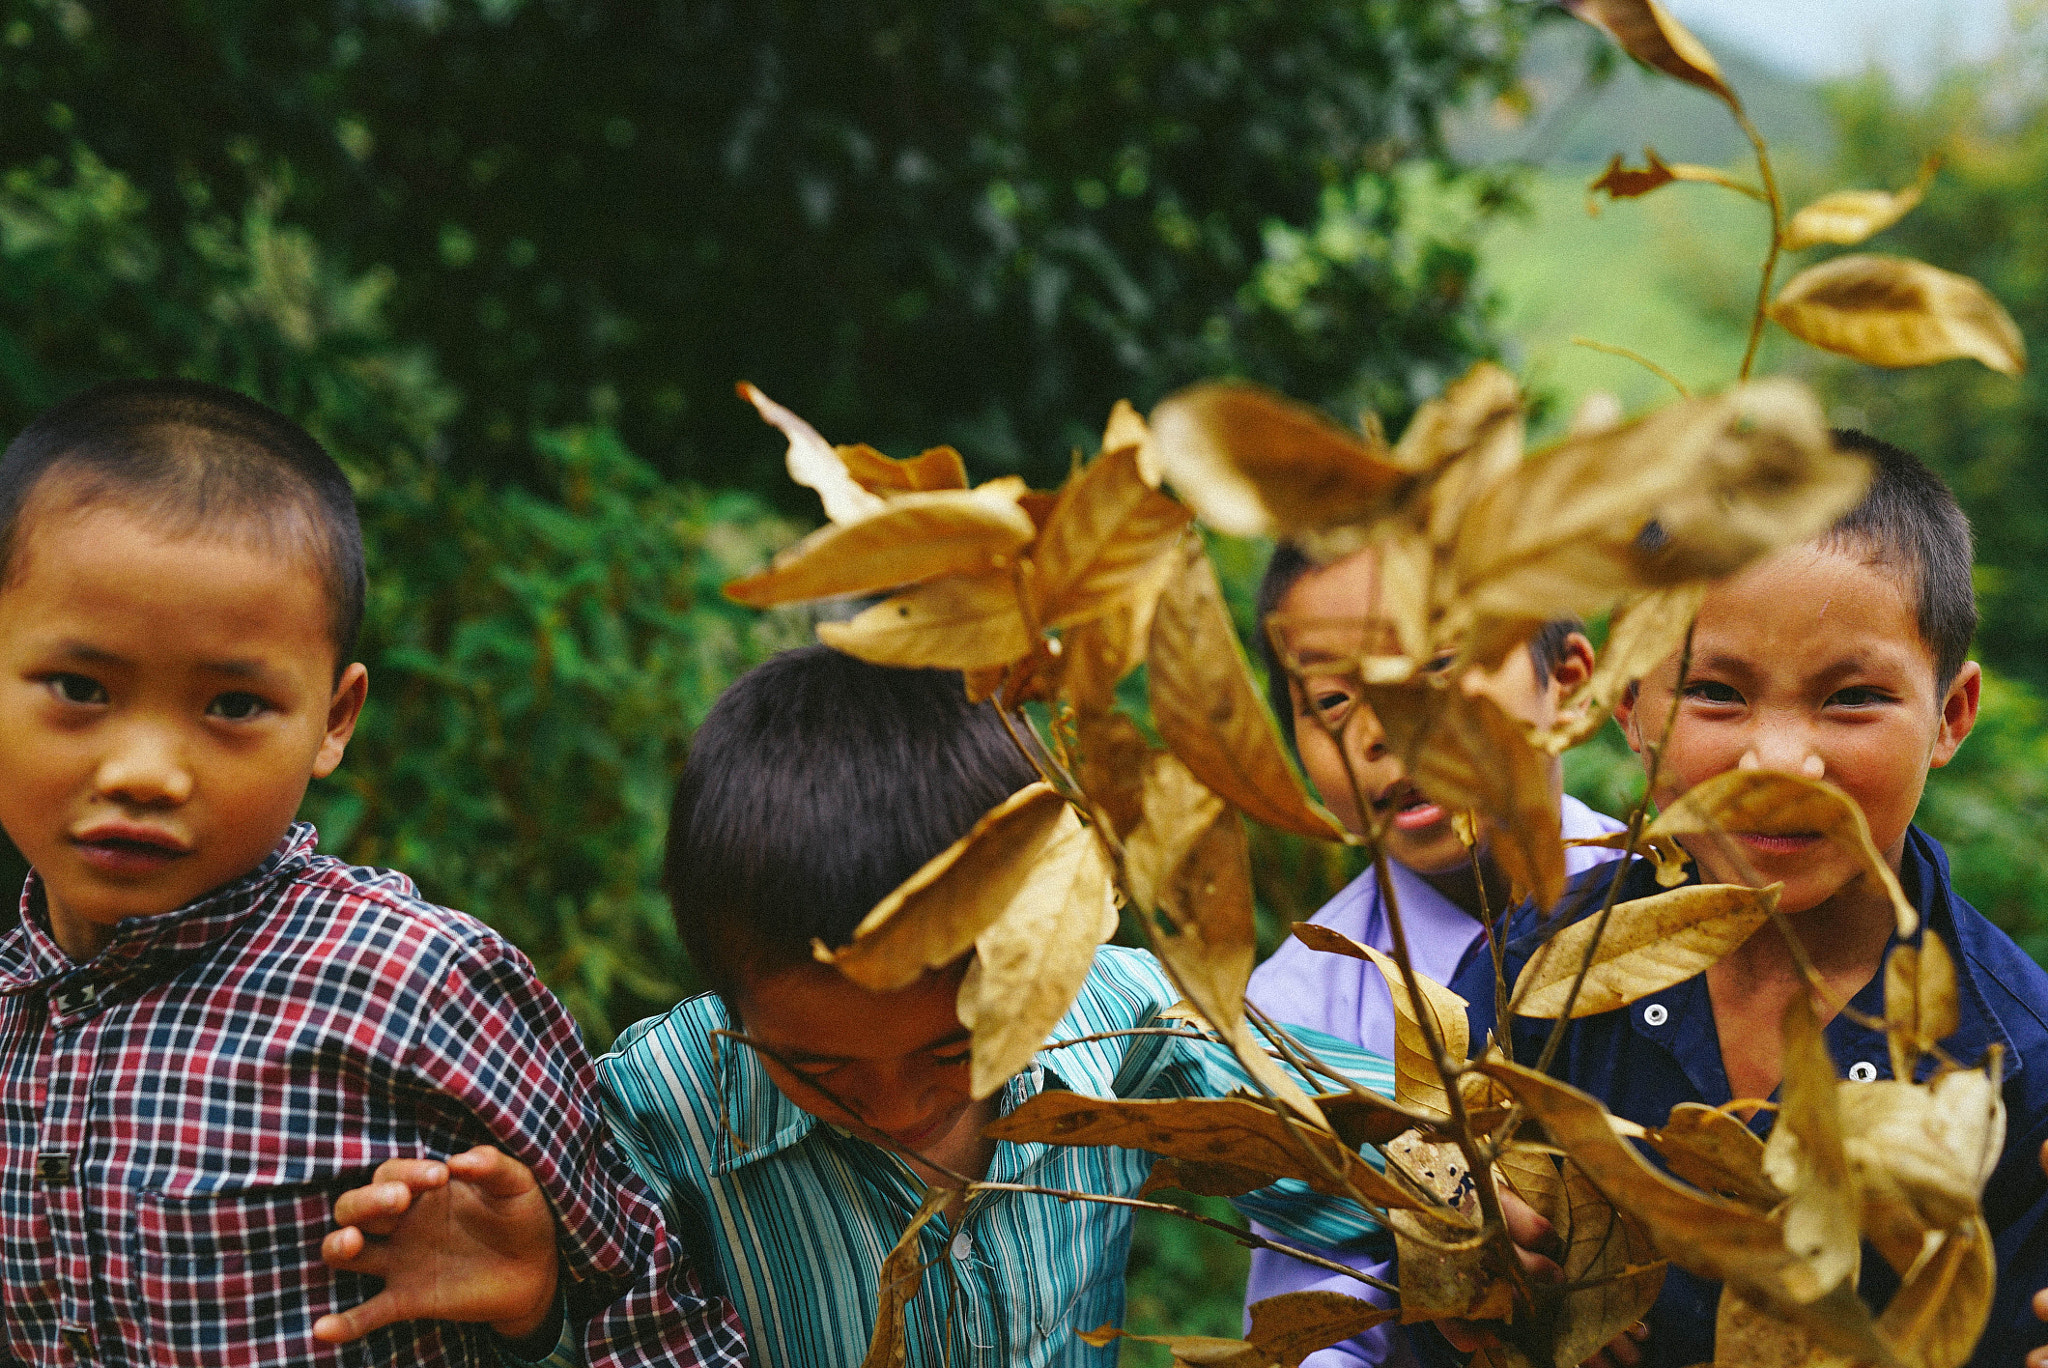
{"type": "Point", "coordinates": [1958, 712]}
{"type": "Point", "coordinates": [342, 712]}
{"type": "Point", "coordinates": [1574, 664]}
{"type": "Point", "coordinates": [1625, 715]}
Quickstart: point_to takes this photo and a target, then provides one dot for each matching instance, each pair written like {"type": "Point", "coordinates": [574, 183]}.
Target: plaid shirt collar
{"type": "Point", "coordinates": [142, 946]}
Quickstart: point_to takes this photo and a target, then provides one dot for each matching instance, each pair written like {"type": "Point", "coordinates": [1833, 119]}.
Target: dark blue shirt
{"type": "Point", "coordinates": [1646, 1058]}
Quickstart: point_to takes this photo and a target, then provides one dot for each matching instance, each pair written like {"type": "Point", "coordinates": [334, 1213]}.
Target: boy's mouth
{"type": "Point", "coordinates": [1779, 842]}
{"type": "Point", "coordinates": [128, 848]}
{"type": "Point", "coordinates": [1412, 811]}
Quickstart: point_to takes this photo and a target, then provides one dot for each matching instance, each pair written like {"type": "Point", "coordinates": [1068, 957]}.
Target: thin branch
{"type": "Point", "coordinates": [1128, 1031]}
{"type": "Point", "coordinates": [1241, 1234]}
{"type": "Point", "coordinates": [1629, 354]}
{"type": "Point", "coordinates": [1777, 205]}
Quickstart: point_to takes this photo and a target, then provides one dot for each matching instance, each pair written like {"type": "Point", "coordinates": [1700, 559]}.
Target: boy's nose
{"type": "Point", "coordinates": [1799, 759]}
{"type": "Point", "coordinates": [144, 770]}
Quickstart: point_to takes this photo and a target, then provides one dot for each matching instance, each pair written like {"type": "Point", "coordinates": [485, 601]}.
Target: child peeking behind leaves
{"type": "Point", "coordinates": [798, 1154]}
{"type": "Point", "coordinates": [1443, 888]}
{"type": "Point", "coordinates": [1843, 659]}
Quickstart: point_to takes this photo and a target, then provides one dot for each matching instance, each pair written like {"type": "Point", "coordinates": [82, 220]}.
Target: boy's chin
{"type": "Point", "coordinates": [1433, 850]}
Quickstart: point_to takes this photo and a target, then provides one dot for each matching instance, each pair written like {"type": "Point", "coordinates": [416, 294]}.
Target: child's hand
{"type": "Point", "coordinates": [2039, 1357]}
{"type": "Point", "coordinates": [1535, 1243]}
{"type": "Point", "coordinates": [469, 1240]}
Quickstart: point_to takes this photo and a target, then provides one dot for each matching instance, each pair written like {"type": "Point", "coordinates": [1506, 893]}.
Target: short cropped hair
{"type": "Point", "coordinates": [1910, 520]}
{"type": "Point", "coordinates": [1289, 563]}
{"type": "Point", "coordinates": [197, 458]}
{"type": "Point", "coordinates": [815, 786]}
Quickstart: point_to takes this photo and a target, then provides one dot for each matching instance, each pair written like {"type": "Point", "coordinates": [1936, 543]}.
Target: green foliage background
{"type": "Point", "coordinates": [507, 257]}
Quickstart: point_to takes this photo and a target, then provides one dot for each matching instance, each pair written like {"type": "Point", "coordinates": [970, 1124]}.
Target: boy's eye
{"type": "Point", "coordinates": [236, 707]}
{"type": "Point", "coordinates": [1856, 696]}
{"type": "Point", "coordinates": [1329, 704]}
{"type": "Point", "coordinates": [1712, 691]}
{"type": "Point", "coordinates": [951, 1059]}
{"type": "Point", "coordinates": [77, 688]}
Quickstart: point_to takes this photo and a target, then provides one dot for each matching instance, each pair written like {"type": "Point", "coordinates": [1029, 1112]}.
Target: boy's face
{"type": "Point", "coordinates": [1810, 662]}
{"type": "Point", "coordinates": [894, 1062]}
{"type": "Point", "coordinates": [1420, 834]}
{"type": "Point", "coordinates": [163, 704]}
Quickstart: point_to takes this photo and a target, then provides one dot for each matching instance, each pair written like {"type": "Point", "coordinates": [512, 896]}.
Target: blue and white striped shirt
{"type": "Point", "coordinates": [796, 1216]}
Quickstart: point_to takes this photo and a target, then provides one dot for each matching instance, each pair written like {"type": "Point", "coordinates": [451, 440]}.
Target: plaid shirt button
{"type": "Point", "coordinates": [53, 1170]}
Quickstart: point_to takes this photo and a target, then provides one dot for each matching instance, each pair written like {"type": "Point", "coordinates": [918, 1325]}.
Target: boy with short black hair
{"type": "Point", "coordinates": [207, 1030]}
{"type": "Point", "coordinates": [815, 786]}
{"type": "Point", "coordinates": [1443, 888]}
{"type": "Point", "coordinates": [1842, 659]}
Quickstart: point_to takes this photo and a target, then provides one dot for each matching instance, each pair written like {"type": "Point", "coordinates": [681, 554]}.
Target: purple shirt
{"type": "Point", "coordinates": [1348, 999]}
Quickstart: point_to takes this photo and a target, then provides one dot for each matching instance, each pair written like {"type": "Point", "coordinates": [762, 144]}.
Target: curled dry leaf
{"type": "Point", "coordinates": [1712, 1150]}
{"type": "Point", "coordinates": [1894, 311]}
{"type": "Point", "coordinates": [1210, 941]}
{"type": "Point", "coordinates": [1253, 464]}
{"type": "Point", "coordinates": [1650, 944]}
{"type": "Point", "coordinates": [1641, 635]}
{"type": "Point", "coordinates": [1693, 491]}
{"type": "Point", "coordinates": [935, 915]}
{"type": "Point", "coordinates": [1655, 39]}
{"type": "Point", "coordinates": [1113, 768]}
{"type": "Point", "coordinates": [1365, 1118]}
{"type": "Point", "coordinates": [1847, 217]}
{"type": "Point", "coordinates": [1284, 1331]}
{"type": "Point", "coordinates": [1750, 1333]}
{"type": "Point", "coordinates": [1230, 1130]}
{"type": "Point", "coordinates": [1449, 1268]}
{"type": "Point", "coordinates": [1176, 810]}
{"type": "Point", "coordinates": [1126, 429]}
{"type": "Point", "coordinates": [1938, 1313]}
{"type": "Point", "coordinates": [1621, 181]}
{"type": "Point", "coordinates": [1465, 751]}
{"type": "Point", "coordinates": [916, 537]}
{"type": "Point", "coordinates": [1921, 1155]}
{"type": "Point", "coordinates": [1919, 1001]}
{"type": "Point", "coordinates": [1202, 1178]}
{"type": "Point", "coordinates": [815, 465]}
{"type": "Point", "coordinates": [1103, 543]}
{"type": "Point", "coordinates": [1770, 803]}
{"type": "Point", "coordinates": [1805, 1157]}
{"type": "Point", "coordinates": [1096, 654]}
{"type": "Point", "coordinates": [960, 623]}
{"type": "Point", "coordinates": [1668, 855]}
{"type": "Point", "coordinates": [902, 1276]}
{"type": "Point", "coordinates": [1417, 1083]}
{"type": "Point", "coordinates": [1209, 711]}
{"type": "Point", "coordinates": [1030, 962]}
{"type": "Point", "coordinates": [939, 468]}
{"type": "Point", "coordinates": [1458, 435]}
{"type": "Point", "coordinates": [1612, 1254]}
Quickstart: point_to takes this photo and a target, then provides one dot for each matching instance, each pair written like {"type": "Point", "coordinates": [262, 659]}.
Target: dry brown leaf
{"type": "Point", "coordinates": [1202, 1178]}
{"type": "Point", "coordinates": [1655, 39]}
{"type": "Point", "coordinates": [1651, 943]}
{"type": "Point", "coordinates": [1033, 678]}
{"type": "Point", "coordinates": [1603, 1244]}
{"type": "Point", "coordinates": [959, 623]}
{"type": "Point", "coordinates": [1253, 464]}
{"type": "Point", "coordinates": [1938, 1313]}
{"type": "Point", "coordinates": [815, 465]}
{"type": "Point", "coordinates": [1229, 1130]}
{"type": "Point", "coordinates": [1921, 1155]}
{"type": "Point", "coordinates": [1465, 751]}
{"type": "Point", "coordinates": [1622, 181]}
{"type": "Point", "coordinates": [902, 1276]}
{"type": "Point", "coordinates": [1417, 1084]}
{"type": "Point", "coordinates": [1847, 217]}
{"type": "Point", "coordinates": [1113, 767]}
{"type": "Point", "coordinates": [1462, 426]}
{"type": "Point", "coordinates": [1126, 429]}
{"type": "Point", "coordinates": [1693, 491]}
{"type": "Point", "coordinates": [1448, 1268]}
{"type": "Point", "coordinates": [1212, 941]}
{"type": "Point", "coordinates": [1711, 1236]}
{"type": "Point", "coordinates": [916, 537]}
{"type": "Point", "coordinates": [1751, 1334]}
{"type": "Point", "coordinates": [935, 915]}
{"type": "Point", "coordinates": [1894, 311]}
{"type": "Point", "coordinates": [1668, 855]}
{"type": "Point", "coordinates": [1176, 810]}
{"type": "Point", "coordinates": [1208, 710]}
{"type": "Point", "coordinates": [1532, 1173]}
{"type": "Point", "coordinates": [938, 468]}
{"type": "Point", "coordinates": [1285, 1330]}
{"type": "Point", "coordinates": [1641, 635]}
{"type": "Point", "coordinates": [1771, 803]}
{"type": "Point", "coordinates": [1919, 1001]}
{"type": "Point", "coordinates": [1365, 1118]}
{"type": "Point", "coordinates": [1030, 962]}
{"type": "Point", "coordinates": [1805, 1157]}
{"type": "Point", "coordinates": [1103, 542]}
{"type": "Point", "coordinates": [1712, 1150]}
{"type": "Point", "coordinates": [1096, 654]}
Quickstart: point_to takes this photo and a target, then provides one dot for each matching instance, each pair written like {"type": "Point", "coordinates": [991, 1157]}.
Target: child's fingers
{"type": "Point", "coordinates": [342, 1327]}
{"type": "Point", "coordinates": [2041, 1303]}
{"type": "Point", "coordinates": [495, 1173]}
{"type": "Point", "coordinates": [418, 1174]}
{"type": "Point", "coordinates": [350, 1252]}
{"type": "Point", "coordinates": [375, 1208]}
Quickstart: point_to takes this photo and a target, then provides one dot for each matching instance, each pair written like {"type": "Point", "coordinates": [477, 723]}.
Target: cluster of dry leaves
{"type": "Point", "coordinates": [1049, 601]}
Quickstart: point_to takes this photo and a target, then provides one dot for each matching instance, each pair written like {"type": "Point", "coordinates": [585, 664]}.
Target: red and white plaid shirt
{"type": "Point", "coordinates": [178, 1115]}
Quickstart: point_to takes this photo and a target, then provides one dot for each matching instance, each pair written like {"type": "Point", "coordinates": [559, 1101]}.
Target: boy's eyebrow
{"type": "Point", "coordinates": [238, 668]}
{"type": "Point", "coordinates": [88, 653]}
